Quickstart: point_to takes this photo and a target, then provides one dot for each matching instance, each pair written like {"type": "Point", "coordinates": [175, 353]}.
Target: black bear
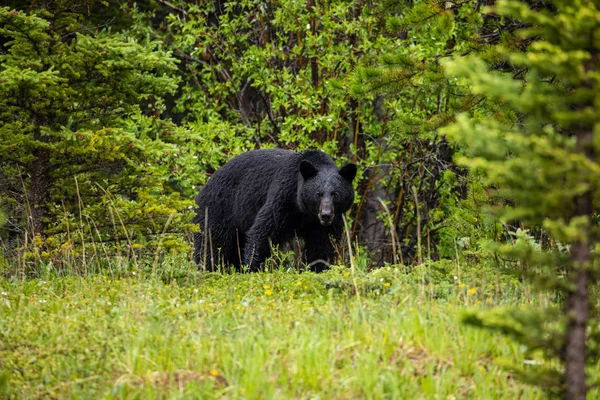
{"type": "Point", "coordinates": [272, 196]}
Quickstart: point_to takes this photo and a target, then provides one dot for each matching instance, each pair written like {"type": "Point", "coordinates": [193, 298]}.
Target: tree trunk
{"type": "Point", "coordinates": [577, 311]}
{"type": "Point", "coordinates": [39, 186]}
{"type": "Point", "coordinates": [577, 304]}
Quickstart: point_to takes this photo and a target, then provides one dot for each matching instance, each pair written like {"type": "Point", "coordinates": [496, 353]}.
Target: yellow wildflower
{"type": "Point", "coordinates": [213, 372]}
{"type": "Point", "coordinates": [472, 290]}
{"type": "Point", "coordinates": [462, 285]}
{"type": "Point", "coordinates": [387, 284]}
{"type": "Point", "coordinates": [268, 292]}
{"type": "Point", "coordinates": [37, 240]}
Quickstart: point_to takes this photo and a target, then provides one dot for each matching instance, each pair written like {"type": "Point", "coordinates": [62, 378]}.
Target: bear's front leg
{"type": "Point", "coordinates": [319, 251]}
{"type": "Point", "coordinates": [257, 247]}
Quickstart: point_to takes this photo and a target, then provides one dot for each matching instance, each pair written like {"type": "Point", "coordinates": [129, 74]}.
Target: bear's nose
{"type": "Point", "coordinates": [325, 216]}
{"type": "Point", "coordinates": [326, 211]}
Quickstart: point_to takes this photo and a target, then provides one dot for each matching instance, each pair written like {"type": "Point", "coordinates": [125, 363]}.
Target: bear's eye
{"type": "Point", "coordinates": [335, 195]}
{"type": "Point", "coordinates": [319, 194]}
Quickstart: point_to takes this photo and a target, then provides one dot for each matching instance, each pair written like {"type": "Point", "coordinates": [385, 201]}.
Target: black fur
{"type": "Point", "coordinates": [265, 196]}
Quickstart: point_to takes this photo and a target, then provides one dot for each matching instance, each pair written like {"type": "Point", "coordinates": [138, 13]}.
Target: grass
{"type": "Point", "coordinates": [273, 335]}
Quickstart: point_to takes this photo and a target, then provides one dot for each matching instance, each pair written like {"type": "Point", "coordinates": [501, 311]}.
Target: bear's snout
{"type": "Point", "coordinates": [326, 211]}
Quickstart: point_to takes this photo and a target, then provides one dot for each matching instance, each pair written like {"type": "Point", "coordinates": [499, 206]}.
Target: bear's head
{"type": "Point", "coordinates": [326, 191]}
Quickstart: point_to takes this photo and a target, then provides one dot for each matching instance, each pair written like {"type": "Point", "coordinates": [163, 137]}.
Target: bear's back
{"type": "Point", "coordinates": [235, 192]}
{"type": "Point", "coordinates": [252, 170]}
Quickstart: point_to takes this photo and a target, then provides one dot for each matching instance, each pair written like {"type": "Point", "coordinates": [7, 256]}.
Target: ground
{"type": "Point", "coordinates": [280, 335]}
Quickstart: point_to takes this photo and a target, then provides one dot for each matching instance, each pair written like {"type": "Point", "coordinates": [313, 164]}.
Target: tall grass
{"type": "Point", "coordinates": [148, 330]}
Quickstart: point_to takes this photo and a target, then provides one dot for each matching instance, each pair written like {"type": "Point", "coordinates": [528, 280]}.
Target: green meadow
{"type": "Point", "coordinates": [175, 333]}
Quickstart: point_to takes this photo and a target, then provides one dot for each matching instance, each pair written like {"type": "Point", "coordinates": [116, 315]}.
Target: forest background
{"type": "Point", "coordinates": [125, 111]}
{"type": "Point", "coordinates": [465, 121]}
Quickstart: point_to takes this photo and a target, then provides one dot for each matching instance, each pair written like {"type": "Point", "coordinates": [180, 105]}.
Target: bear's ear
{"type": "Point", "coordinates": [307, 169]}
{"type": "Point", "coordinates": [348, 172]}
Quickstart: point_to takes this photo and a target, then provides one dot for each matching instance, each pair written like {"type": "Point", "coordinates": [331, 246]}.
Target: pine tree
{"type": "Point", "coordinates": [545, 166]}
{"type": "Point", "coordinates": [81, 138]}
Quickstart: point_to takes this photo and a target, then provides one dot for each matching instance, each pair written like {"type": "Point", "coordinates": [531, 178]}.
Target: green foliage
{"type": "Point", "coordinates": [417, 100]}
{"type": "Point", "coordinates": [85, 154]}
{"type": "Point", "coordinates": [469, 229]}
{"type": "Point", "coordinates": [276, 74]}
{"type": "Point", "coordinates": [166, 94]}
{"type": "Point", "coordinates": [544, 166]}
{"type": "Point", "coordinates": [255, 68]}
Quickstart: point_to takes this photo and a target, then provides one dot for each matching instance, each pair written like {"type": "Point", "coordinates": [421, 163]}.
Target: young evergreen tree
{"type": "Point", "coordinates": [546, 165]}
{"type": "Point", "coordinates": [82, 145]}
